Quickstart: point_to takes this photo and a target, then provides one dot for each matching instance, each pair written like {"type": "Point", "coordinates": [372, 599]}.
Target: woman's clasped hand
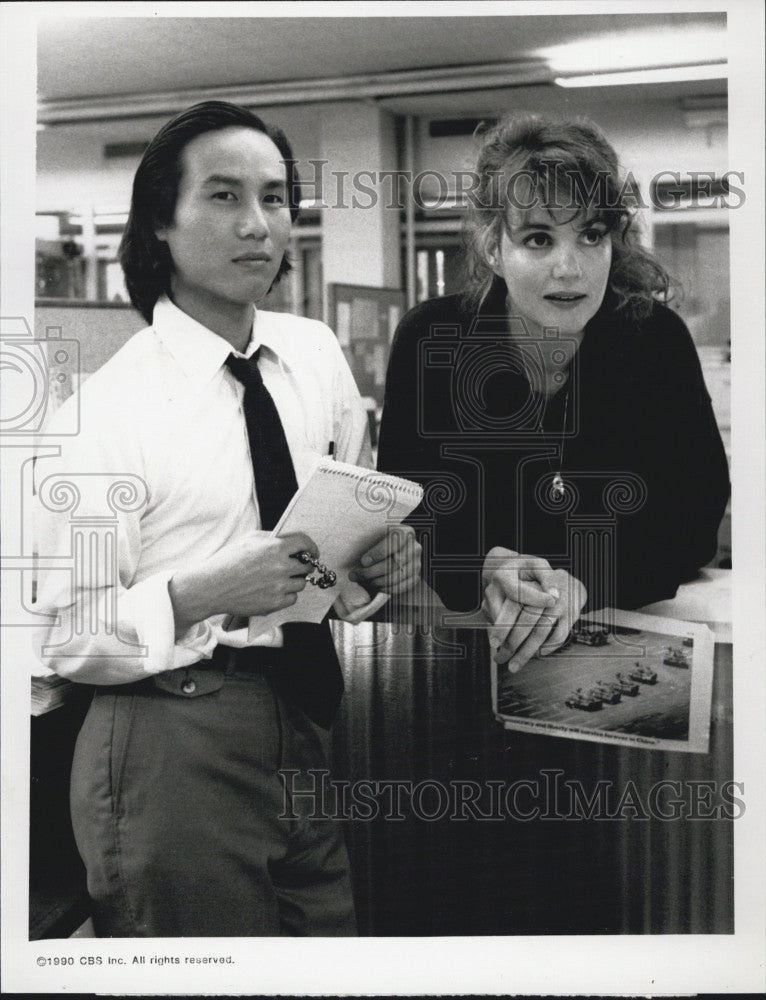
{"type": "Point", "coordinates": [531, 606]}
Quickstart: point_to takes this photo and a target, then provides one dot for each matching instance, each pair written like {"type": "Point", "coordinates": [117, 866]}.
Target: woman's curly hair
{"type": "Point", "coordinates": [526, 161]}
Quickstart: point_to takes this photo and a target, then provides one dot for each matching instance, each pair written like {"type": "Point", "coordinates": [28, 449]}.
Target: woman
{"type": "Point", "coordinates": [558, 406]}
{"type": "Point", "coordinates": [557, 409]}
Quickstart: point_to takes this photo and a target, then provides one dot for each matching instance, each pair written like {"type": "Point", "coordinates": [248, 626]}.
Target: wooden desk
{"type": "Point", "coordinates": [414, 711]}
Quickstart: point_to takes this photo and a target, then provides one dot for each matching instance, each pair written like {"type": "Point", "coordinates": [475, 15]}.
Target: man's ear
{"type": "Point", "coordinates": [162, 234]}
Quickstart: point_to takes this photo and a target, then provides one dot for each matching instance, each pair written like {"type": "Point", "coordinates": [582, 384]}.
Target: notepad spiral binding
{"type": "Point", "coordinates": [372, 480]}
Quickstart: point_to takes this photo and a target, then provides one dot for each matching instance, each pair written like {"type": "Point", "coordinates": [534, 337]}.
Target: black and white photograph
{"type": "Point", "coordinates": [382, 439]}
{"type": "Point", "coordinates": [624, 678]}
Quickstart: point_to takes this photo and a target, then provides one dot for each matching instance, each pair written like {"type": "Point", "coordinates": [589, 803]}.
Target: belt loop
{"type": "Point", "coordinates": [222, 659]}
{"type": "Point", "coordinates": [225, 658]}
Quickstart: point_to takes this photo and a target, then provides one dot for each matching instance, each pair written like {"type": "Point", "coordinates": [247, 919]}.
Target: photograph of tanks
{"type": "Point", "coordinates": [612, 680]}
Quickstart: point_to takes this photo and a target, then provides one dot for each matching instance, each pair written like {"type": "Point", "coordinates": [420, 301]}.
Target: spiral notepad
{"type": "Point", "coordinates": [345, 509]}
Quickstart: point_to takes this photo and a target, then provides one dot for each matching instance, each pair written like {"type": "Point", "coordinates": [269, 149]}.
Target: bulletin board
{"type": "Point", "coordinates": [364, 320]}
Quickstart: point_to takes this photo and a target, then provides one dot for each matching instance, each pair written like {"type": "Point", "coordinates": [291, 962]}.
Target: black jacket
{"type": "Point", "coordinates": [643, 462]}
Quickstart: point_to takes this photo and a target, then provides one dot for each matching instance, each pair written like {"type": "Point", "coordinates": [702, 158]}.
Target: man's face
{"type": "Point", "coordinates": [232, 221]}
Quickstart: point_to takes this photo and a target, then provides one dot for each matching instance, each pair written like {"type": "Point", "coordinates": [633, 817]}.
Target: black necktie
{"type": "Point", "coordinates": [308, 672]}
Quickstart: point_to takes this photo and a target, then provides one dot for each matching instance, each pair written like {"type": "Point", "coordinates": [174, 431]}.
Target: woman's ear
{"type": "Point", "coordinates": [494, 259]}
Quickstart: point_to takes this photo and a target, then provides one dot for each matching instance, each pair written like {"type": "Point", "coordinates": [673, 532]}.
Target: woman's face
{"type": "Point", "coordinates": [556, 268]}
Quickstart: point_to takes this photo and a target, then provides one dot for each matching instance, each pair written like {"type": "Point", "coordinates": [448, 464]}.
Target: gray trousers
{"type": "Point", "coordinates": [176, 804]}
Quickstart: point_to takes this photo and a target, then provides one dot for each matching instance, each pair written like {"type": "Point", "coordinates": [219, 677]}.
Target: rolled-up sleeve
{"type": "Point", "coordinates": [101, 626]}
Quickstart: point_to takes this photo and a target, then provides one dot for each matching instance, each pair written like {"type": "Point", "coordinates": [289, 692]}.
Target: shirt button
{"type": "Point", "coordinates": [188, 687]}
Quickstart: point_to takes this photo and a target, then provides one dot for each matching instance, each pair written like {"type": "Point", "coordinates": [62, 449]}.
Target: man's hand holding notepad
{"type": "Point", "coordinates": [346, 510]}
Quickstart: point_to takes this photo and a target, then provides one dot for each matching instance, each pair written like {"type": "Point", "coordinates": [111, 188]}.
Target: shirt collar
{"type": "Point", "coordinates": [268, 332]}
{"type": "Point", "coordinates": [199, 352]}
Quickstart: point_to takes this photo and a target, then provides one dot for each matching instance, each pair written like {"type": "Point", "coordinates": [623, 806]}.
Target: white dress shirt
{"type": "Point", "coordinates": [165, 409]}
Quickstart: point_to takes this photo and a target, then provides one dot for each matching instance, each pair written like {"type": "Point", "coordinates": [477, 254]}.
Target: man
{"type": "Point", "coordinates": [214, 414]}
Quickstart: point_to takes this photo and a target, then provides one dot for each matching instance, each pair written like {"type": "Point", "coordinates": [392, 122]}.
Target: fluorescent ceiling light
{"type": "Point", "coordinates": [449, 201]}
{"type": "Point", "coordinates": [613, 51]}
{"type": "Point", "coordinates": [662, 74]}
{"type": "Point", "coordinates": [111, 218]}
{"type": "Point", "coordinates": [102, 217]}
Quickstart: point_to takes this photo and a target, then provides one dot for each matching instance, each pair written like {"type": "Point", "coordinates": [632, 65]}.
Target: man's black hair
{"type": "Point", "coordinates": [145, 259]}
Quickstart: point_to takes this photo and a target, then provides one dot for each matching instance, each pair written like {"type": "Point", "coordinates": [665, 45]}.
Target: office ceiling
{"type": "Point", "coordinates": [98, 57]}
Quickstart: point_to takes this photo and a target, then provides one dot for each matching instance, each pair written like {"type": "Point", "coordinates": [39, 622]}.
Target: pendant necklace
{"type": "Point", "coordinates": [558, 486]}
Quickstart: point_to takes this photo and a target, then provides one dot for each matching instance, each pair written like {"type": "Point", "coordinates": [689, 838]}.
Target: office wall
{"type": "Point", "coordinates": [72, 170]}
{"type": "Point", "coordinates": [100, 329]}
{"type": "Point", "coordinates": [650, 135]}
